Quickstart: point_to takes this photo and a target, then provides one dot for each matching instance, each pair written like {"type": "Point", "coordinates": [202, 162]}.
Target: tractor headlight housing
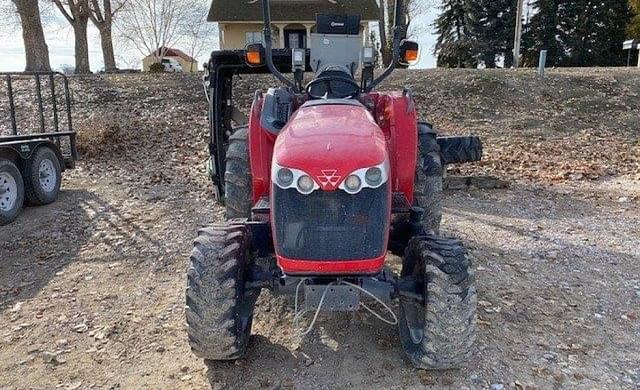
{"type": "Point", "coordinates": [352, 184]}
{"type": "Point", "coordinates": [285, 178]}
{"type": "Point", "coordinates": [373, 176]}
{"type": "Point", "coordinates": [305, 184]}
{"type": "Point", "coordinates": [370, 177]}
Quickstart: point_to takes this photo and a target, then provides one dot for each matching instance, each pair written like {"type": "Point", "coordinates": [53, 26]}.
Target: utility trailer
{"type": "Point", "coordinates": [34, 155]}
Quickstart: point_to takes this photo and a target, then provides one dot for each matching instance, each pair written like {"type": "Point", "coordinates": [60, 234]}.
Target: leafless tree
{"type": "Point", "coordinates": [197, 34]}
{"type": "Point", "coordinates": [26, 14]}
{"type": "Point", "coordinates": [102, 18]}
{"type": "Point", "coordinates": [77, 12]}
{"type": "Point", "coordinates": [151, 26]}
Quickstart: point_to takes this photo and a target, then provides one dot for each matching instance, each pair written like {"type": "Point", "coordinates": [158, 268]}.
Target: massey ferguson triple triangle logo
{"type": "Point", "coordinates": [329, 177]}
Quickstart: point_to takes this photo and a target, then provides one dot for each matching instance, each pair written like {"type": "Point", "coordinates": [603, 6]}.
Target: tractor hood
{"type": "Point", "coordinates": [329, 140]}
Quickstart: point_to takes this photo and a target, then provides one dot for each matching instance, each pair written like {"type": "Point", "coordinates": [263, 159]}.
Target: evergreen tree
{"type": "Point", "coordinates": [593, 31]}
{"type": "Point", "coordinates": [633, 29]}
{"type": "Point", "coordinates": [454, 47]}
{"type": "Point", "coordinates": [542, 34]}
{"type": "Point", "coordinates": [492, 27]}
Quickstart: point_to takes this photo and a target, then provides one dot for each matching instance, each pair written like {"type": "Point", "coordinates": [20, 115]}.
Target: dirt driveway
{"type": "Point", "coordinates": [92, 287]}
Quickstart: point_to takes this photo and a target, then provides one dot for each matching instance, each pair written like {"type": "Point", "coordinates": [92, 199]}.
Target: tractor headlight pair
{"type": "Point", "coordinates": [372, 177]}
{"type": "Point", "coordinates": [290, 177]}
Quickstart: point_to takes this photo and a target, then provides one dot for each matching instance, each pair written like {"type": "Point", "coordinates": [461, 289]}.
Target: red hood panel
{"type": "Point", "coordinates": [329, 142]}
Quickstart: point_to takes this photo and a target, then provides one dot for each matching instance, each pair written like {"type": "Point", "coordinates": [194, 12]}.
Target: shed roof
{"type": "Point", "coordinates": [288, 10]}
{"type": "Point", "coordinates": [171, 52]}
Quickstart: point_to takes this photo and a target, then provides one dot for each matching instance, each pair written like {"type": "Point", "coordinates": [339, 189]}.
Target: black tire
{"type": "Point", "coordinates": [438, 334]}
{"type": "Point", "coordinates": [11, 192]}
{"type": "Point", "coordinates": [457, 150]}
{"type": "Point", "coordinates": [219, 311]}
{"type": "Point", "coordinates": [429, 172]}
{"type": "Point", "coordinates": [42, 177]}
{"type": "Point", "coordinates": [237, 176]}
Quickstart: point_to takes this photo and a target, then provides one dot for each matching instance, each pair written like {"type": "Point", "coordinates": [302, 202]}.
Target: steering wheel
{"type": "Point", "coordinates": [333, 87]}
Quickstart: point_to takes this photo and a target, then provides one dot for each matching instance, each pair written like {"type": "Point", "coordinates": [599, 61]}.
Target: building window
{"type": "Point", "coordinates": [253, 37]}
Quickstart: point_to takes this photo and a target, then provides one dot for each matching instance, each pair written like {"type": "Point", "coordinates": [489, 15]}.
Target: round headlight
{"type": "Point", "coordinates": [285, 177]}
{"type": "Point", "coordinates": [352, 184]}
{"type": "Point", "coordinates": [373, 177]}
{"type": "Point", "coordinates": [305, 184]}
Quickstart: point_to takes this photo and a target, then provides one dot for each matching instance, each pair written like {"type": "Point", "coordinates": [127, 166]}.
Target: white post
{"type": "Point", "coordinates": [518, 36]}
{"type": "Point", "coordinates": [638, 58]}
{"type": "Point", "coordinates": [542, 62]}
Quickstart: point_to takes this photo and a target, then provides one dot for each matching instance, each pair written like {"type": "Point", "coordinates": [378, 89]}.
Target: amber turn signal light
{"type": "Point", "coordinates": [254, 55]}
{"type": "Point", "coordinates": [409, 52]}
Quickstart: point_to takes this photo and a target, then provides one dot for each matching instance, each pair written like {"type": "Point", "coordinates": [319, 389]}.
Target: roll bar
{"type": "Point", "coordinates": [398, 34]}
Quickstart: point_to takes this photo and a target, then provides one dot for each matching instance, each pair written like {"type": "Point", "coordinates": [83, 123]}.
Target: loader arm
{"type": "Point", "coordinates": [218, 83]}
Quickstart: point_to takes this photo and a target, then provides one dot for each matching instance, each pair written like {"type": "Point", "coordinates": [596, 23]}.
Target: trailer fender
{"type": "Point", "coordinates": [25, 149]}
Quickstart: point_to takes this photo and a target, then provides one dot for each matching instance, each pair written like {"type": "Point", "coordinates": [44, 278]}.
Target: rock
{"type": "Point", "coordinates": [186, 378]}
{"type": "Point", "coordinates": [426, 378]}
{"type": "Point", "coordinates": [16, 308]}
{"type": "Point", "coordinates": [184, 368]}
{"type": "Point", "coordinates": [307, 362]}
{"type": "Point", "coordinates": [62, 342]}
{"type": "Point", "coordinates": [550, 356]}
{"type": "Point", "coordinates": [497, 386]}
{"type": "Point", "coordinates": [160, 349]}
{"type": "Point", "coordinates": [52, 358]}
{"type": "Point", "coordinates": [80, 328]}
{"type": "Point", "coordinates": [623, 199]}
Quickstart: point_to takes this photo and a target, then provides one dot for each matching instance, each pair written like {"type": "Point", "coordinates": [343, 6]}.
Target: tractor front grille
{"type": "Point", "coordinates": [331, 225]}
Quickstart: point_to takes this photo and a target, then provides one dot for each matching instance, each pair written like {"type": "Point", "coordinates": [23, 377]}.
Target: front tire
{"type": "Point", "coordinates": [42, 177]}
{"type": "Point", "coordinates": [11, 192]}
{"type": "Point", "coordinates": [219, 310]}
{"type": "Point", "coordinates": [439, 333]}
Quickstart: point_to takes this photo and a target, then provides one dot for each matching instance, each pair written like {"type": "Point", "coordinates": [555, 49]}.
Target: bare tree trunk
{"type": "Point", "coordinates": [78, 18]}
{"type": "Point", "coordinates": [103, 20]}
{"type": "Point", "coordinates": [36, 50]}
{"type": "Point", "coordinates": [107, 49]}
{"type": "Point", "coordinates": [81, 46]}
{"type": "Point", "coordinates": [382, 30]}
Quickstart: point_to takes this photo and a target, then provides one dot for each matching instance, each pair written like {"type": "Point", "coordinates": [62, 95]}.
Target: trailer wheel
{"type": "Point", "coordinates": [219, 310]}
{"type": "Point", "coordinates": [439, 333]}
{"type": "Point", "coordinates": [237, 176]}
{"type": "Point", "coordinates": [42, 177]}
{"type": "Point", "coordinates": [429, 172]}
{"type": "Point", "coordinates": [11, 191]}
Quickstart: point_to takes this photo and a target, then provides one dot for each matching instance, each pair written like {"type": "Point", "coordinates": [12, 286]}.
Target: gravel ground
{"type": "Point", "coordinates": [92, 286]}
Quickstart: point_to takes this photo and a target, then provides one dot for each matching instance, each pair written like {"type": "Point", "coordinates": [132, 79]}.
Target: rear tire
{"type": "Point", "coordinates": [11, 192]}
{"type": "Point", "coordinates": [429, 172]}
{"type": "Point", "coordinates": [438, 334]}
{"type": "Point", "coordinates": [42, 177]}
{"type": "Point", "coordinates": [457, 150]}
{"type": "Point", "coordinates": [237, 176]}
{"type": "Point", "coordinates": [219, 310]}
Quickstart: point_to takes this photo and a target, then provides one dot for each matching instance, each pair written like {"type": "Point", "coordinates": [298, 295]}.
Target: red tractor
{"type": "Point", "coordinates": [325, 180]}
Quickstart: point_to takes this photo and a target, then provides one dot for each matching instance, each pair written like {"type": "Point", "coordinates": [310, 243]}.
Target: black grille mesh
{"type": "Point", "coordinates": [331, 225]}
